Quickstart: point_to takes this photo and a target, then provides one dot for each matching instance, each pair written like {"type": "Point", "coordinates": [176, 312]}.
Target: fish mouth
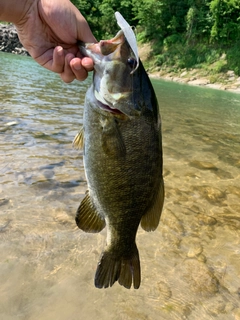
{"type": "Point", "coordinates": [103, 48]}
{"type": "Point", "coordinates": [113, 74]}
{"type": "Point", "coordinates": [102, 52]}
{"type": "Point", "coordinates": [107, 108]}
{"type": "Point", "coordinates": [111, 100]}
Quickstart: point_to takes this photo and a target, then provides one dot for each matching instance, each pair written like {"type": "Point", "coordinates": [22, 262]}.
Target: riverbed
{"type": "Point", "coordinates": [190, 264]}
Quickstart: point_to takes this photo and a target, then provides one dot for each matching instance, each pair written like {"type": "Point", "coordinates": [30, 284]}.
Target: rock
{"type": "Point", "coordinates": [230, 73]}
{"type": "Point", "coordinates": [223, 56]}
{"type": "Point", "coordinates": [174, 224]}
{"type": "Point", "coordinates": [199, 82]}
{"type": "Point", "coordinates": [10, 41]}
{"type": "Point", "coordinates": [191, 246]}
{"type": "Point", "coordinates": [237, 314]}
{"type": "Point", "coordinates": [206, 220]}
{"type": "Point", "coordinates": [234, 190]}
{"type": "Point", "coordinates": [199, 277]}
{"type": "Point", "coordinates": [183, 74]}
{"type": "Point", "coordinates": [216, 86]}
{"type": "Point", "coordinates": [218, 305]}
{"type": "Point", "coordinates": [204, 165]}
{"type": "Point", "coordinates": [213, 195]}
{"type": "Point", "coordinates": [194, 251]}
{"type": "Point", "coordinates": [4, 201]}
{"type": "Point", "coordinates": [11, 123]}
{"type": "Point", "coordinates": [161, 291]}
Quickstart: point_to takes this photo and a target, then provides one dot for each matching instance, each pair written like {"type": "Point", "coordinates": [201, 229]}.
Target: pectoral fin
{"type": "Point", "coordinates": [150, 220]}
{"type": "Point", "coordinates": [87, 217]}
{"type": "Point", "coordinates": [78, 141]}
{"type": "Point", "coordinates": [112, 140]}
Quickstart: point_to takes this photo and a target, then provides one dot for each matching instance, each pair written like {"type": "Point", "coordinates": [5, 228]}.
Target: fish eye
{"type": "Point", "coordinates": [132, 63]}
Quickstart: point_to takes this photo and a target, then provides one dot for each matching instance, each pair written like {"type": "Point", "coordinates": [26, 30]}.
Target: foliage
{"type": "Point", "coordinates": [233, 57]}
{"type": "Point", "coordinates": [183, 33]}
{"type": "Point", "coordinates": [226, 20]}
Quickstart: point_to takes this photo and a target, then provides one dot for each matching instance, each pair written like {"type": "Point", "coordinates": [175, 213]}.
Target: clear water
{"type": "Point", "coordinates": [190, 264]}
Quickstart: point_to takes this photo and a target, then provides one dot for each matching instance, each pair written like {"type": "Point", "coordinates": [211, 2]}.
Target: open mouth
{"type": "Point", "coordinates": [107, 108]}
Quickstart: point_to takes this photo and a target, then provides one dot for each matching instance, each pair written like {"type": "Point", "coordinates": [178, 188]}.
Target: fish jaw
{"type": "Point", "coordinates": [103, 48]}
{"type": "Point", "coordinates": [113, 78]}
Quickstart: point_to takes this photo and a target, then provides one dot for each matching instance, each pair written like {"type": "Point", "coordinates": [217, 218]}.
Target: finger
{"type": "Point", "coordinates": [87, 63]}
{"type": "Point", "coordinates": [79, 71]}
{"type": "Point", "coordinates": [58, 60]}
{"type": "Point", "coordinates": [67, 75]}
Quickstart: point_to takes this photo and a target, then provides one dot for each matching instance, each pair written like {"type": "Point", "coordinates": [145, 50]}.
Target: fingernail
{"type": "Point", "coordinates": [77, 65]}
{"type": "Point", "coordinates": [59, 50]}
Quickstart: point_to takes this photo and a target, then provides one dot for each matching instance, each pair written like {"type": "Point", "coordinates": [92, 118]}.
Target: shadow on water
{"type": "Point", "coordinates": [190, 264]}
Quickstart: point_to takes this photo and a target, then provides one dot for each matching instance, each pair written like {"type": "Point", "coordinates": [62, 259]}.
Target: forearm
{"type": "Point", "coordinates": [14, 10]}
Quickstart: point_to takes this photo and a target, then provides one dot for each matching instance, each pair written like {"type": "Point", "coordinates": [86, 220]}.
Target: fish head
{"type": "Point", "coordinates": [115, 64]}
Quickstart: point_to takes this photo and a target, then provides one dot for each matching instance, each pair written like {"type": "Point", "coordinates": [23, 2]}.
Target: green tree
{"type": "Point", "coordinates": [226, 17]}
{"type": "Point", "coordinates": [100, 15]}
{"type": "Point", "coordinates": [183, 33]}
{"type": "Point", "coordinates": [90, 10]}
{"type": "Point", "coordinates": [198, 21]}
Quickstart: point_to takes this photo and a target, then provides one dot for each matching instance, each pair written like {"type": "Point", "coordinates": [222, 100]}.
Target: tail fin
{"type": "Point", "coordinates": [125, 270]}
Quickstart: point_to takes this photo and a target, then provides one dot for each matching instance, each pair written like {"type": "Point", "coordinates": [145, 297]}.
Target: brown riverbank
{"type": "Point", "coordinates": [228, 81]}
{"type": "Point", "coordinates": [198, 77]}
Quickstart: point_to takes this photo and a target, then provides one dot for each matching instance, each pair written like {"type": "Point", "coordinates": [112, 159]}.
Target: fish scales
{"type": "Point", "coordinates": [122, 145]}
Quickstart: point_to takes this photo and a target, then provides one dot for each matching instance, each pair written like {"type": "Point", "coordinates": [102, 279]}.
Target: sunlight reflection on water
{"type": "Point", "coordinates": [190, 265]}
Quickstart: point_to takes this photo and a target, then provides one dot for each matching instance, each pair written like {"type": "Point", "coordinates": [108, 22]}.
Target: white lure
{"type": "Point", "coordinates": [129, 35]}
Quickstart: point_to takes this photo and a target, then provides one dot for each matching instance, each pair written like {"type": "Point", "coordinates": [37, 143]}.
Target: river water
{"type": "Point", "coordinates": [190, 264]}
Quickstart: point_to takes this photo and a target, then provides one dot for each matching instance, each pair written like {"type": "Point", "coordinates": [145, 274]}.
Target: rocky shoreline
{"type": "Point", "coordinates": [9, 41]}
{"type": "Point", "coordinates": [198, 77]}
{"type": "Point", "coordinates": [229, 82]}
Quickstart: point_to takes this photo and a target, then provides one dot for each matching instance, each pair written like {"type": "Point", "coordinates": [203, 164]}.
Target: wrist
{"type": "Point", "coordinates": [15, 10]}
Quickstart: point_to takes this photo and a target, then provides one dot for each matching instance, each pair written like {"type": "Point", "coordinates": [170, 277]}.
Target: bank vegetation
{"type": "Point", "coordinates": [182, 34]}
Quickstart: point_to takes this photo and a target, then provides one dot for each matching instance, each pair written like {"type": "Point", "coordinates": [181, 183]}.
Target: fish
{"type": "Point", "coordinates": [122, 154]}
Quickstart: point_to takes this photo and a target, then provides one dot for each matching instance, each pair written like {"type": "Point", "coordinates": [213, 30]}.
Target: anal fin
{"type": "Point", "coordinates": [151, 218]}
{"type": "Point", "coordinates": [87, 217]}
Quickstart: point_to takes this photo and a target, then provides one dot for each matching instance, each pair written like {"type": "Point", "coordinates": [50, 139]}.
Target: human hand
{"type": "Point", "coordinates": [50, 31]}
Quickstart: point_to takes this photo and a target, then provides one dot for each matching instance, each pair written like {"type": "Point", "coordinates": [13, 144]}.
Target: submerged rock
{"type": "Point", "coordinates": [206, 220]}
{"type": "Point", "coordinates": [200, 279]}
{"type": "Point", "coordinates": [211, 194]}
{"type": "Point", "coordinates": [234, 190]}
{"type": "Point", "coordinates": [161, 291]}
{"type": "Point", "coordinates": [203, 165]}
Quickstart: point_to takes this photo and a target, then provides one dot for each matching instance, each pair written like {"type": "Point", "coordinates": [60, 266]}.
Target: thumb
{"type": "Point", "coordinates": [84, 32]}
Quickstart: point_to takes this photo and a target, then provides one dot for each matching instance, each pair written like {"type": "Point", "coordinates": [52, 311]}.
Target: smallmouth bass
{"type": "Point", "coordinates": [121, 138]}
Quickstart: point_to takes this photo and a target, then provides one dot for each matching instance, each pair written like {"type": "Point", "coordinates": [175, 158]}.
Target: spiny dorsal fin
{"type": "Point", "coordinates": [87, 217]}
{"type": "Point", "coordinates": [78, 141]}
{"type": "Point", "coordinates": [150, 220]}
